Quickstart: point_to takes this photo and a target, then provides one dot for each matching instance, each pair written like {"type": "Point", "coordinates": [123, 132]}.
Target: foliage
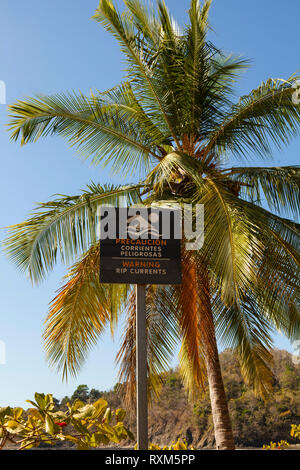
{"type": "Point", "coordinates": [295, 433]}
{"type": "Point", "coordinates": [172, 417]}
{"type": "Point", "coordinates": [282, 445]}
{"type": "Point", "coordinates": [86, 425]}
{"type": "Point", "coordinates": [81, 393]}
{"type": "Point", "coordinates": [255, 422]}
{"type": "Point", "coordinates": [179, 445]}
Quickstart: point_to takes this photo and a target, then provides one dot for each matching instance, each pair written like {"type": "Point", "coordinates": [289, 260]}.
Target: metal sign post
{"type": "Point", "coordinates": [151, 256]}
{"type": "Point", "coordinates": [141, 368]}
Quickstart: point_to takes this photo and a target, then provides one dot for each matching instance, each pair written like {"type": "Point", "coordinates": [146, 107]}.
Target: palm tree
{"type": "Point", "coordinates": [174, 119]}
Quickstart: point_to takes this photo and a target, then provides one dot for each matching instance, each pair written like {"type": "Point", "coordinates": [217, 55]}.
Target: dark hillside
{"type": "Point", "coordinates": [255, 422]}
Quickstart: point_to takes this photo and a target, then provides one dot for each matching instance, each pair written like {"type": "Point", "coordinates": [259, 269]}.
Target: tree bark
{"type": "Point", "coordinates": [221, 419]}
{"type": "Point", "coordinates": [220, 414]}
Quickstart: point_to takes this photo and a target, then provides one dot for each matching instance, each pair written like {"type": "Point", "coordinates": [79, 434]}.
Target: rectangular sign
{"type": "Point", "coordinates": [149, 254]}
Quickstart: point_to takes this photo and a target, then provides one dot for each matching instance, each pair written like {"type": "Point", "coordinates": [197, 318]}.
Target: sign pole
{"type": "Point", "coordinates": [133, 256]}
{"type": "Point", "coordinates": [141, 368]}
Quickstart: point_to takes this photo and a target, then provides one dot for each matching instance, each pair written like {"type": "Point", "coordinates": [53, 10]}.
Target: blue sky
{"type": "Point", "coordinates": [52, 46]}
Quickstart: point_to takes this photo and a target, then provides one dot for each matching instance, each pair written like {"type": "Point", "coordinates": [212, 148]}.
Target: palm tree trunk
{"type": "Point", "coordinates": [221, 419]}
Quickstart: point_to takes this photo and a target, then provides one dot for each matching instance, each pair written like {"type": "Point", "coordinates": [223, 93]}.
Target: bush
{"type": "Point", "coordinates": [84, 425]}
{"type": "Point", "coordinates": [295, 433]}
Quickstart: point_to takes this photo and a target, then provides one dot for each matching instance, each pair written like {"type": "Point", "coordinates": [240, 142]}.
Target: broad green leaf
{"type": "Point", "coordinates": [80, 427]}
{"type": "Point", "coordinates": [17, 413]}
{"type": "Point", "coordinates": [14, 427]}
{"type": "Point", "coordinates": [120, 414]}
{"type": "Point", "coordinates": [86, 411]}
{"type": "Point", "coordinates": [107, 415]}
{"type": "Point", "coordinates": [50, 426]}
{"type": "Point", "coordinates": [40, 400]}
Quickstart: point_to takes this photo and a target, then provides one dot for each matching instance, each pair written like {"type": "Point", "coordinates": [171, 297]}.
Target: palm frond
{"type": "Point", "coordinates": [162, 337]}
{"type": "Point", "coordinates": [104, 131]}
{"type": "Point", "coordinates": [140, 60]}
{"type": "Point", "coordinates": [66, 226]}
{"type": "Point", "coordinates": [174, 170]}
{"type": "Point", "coordinates": [194, 317]}
{"type": "Point", "coordinates": [231, 245]}
{"type": "Point", "coordinates": [79, 314]}
{"type": "Point", "coordinates": [266, 114]}
{"type": "Point", "coordinates": [124, 100]}
{"type": "Point", "coordinates": [279, 187]}
{"type": "Point", "coordinates": [244, 328]}
{"type": "Point", "coordinates": [143, 16]}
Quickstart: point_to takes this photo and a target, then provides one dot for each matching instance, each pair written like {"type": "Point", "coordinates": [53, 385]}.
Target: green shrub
{"type": "Point", "coordinates": [84, 425]}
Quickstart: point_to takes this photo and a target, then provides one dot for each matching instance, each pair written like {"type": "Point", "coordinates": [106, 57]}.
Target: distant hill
{"type": "Point", "coordinates": [255, 422]}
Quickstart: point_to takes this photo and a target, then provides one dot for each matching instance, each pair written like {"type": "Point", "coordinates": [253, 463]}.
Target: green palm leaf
{"type": "Point", "coordinates": [244, 328]}
{"type": "Point", "coordinates": [80, 313]}
{"type": "Point", "coordinates": [280, 186]}
{"type": "Point", "coordinates": [266, 114]}
{"type": "Point", "coordinates": [140, 70]}
{"type": "Point", "coordinates": [66, 226]}
{"type": "Point", "coordinates": [105, 131]}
